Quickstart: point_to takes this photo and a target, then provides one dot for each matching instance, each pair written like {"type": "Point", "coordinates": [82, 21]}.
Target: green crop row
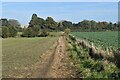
{"type": "Point", "coordinates": [100, 39]}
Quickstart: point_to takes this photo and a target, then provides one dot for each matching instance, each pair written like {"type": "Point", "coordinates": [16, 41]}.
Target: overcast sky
{"type": "Point", "coordinates": [72, 11]}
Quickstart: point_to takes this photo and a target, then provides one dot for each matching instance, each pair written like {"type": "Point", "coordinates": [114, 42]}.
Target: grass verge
{"type": "Point", "coordinates": [89, 67]}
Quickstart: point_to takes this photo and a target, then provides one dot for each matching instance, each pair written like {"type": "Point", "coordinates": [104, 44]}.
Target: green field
{"type": "Point", "coordinates": [90, 64]}
{"type": "Point", "coordinates": [23, 52]}
{"type": "Point", "coordinates": [103, 39]}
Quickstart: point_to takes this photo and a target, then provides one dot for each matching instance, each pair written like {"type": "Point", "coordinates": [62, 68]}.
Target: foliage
{"type": "Point", "coordinates": [67, 24]}
{"type": "Point", "coordinates": [50, 23]}
{"type": "Point", "coordinates": [10, 27]}
{"type": "Point", "coordinates": [92, 26]}
{"type": "Point", "coordinates": [85, 25]}
{"type": "Point", "coordinates": [28, 32]}
{"type": "Point", "coordinates": [9, 31]}
{"type": "Point", "coordinates": [60, 26]}
{"type": "Point", "coordinates": [44, 33]}
{"type": "Point", "coordinates": [103, 39]}
{"type": "Point", "coordinates": [89, 67]}
{"type": "Point", "coordinates": [36, 30]}
{"type": "Point", "coordinates": [14, 23]}
{"type": "Point", "coordinates": [5, 32]}
{"type": "Point", "coordinates": [12, 31]}
{"type": "Point", "coordinates": [4, 22]}
{"type": "Point", "coordinates": [10, 22]}
{"type": "Point", "coordinates": [36, 21]}
{"type": "Point", "coordinates": [67, 31]}
{"type": "Point", "coordinates": [38, 24]}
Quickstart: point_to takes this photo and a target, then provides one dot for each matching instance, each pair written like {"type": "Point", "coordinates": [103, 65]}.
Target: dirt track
{"type": "Point", "coordinates": [53, 64]}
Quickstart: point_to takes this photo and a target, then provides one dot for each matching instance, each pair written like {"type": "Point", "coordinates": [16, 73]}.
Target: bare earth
{"type": "Point", "coordinates": [53, 64]}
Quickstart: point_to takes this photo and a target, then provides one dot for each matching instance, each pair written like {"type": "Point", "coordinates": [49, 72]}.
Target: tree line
{"type": "Point", "coordinates": [9, 27]}
{"type": "Point", "coordinates": [40, 27]}
{"type": "Point", "coordinates": [86, 25]}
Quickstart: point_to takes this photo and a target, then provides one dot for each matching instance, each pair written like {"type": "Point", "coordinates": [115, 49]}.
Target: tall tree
{"type": "Point", "coordinates": [50, 23]}
{"type": "Point", "coordinates": [36, 21]}
{"type": "Point", "coordinates": [110, 26]}
{"type": "Point", "coordinates": [67, 24]}
{"type": "Point", "coordinates": [14, 23]}
{"type": "Point", "coordinates": [60, 26]}
{"type": "Point", "coordinates": [93, 25]}
{"type": "Point", "coordinates": [28, 32]}
{"type": "Point", "coordinates": [12, 31]}
{"type": "Point", "coordinates": [36, 30]}
{"type": "Point", "coordinates": [86, 25]}
{"type": "Point", "coordinates": [4, 22]}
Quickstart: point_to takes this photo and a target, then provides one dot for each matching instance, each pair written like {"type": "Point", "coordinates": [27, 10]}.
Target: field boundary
{"type": "Point", "coordinates": [93, 50]}
{"type": "Point", "coordinates": [90, 63]}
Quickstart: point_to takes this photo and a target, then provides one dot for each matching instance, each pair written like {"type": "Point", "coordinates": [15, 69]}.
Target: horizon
{"type": "Point", "coordinates": [74, 12]}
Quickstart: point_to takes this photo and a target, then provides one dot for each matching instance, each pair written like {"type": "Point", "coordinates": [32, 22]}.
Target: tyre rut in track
{"type": "Point", "coordinates": [52, 64]}
{"type": "Point", "coordinates": [41, 72]}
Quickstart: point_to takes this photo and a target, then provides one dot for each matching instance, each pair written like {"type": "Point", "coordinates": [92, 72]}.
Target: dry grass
{"type": "Point", "coordinates": [96, 52]}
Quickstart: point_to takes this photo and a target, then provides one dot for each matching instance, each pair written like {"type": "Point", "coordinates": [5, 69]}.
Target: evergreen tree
{"type": "Point", "coordinates": [28, 32]}
{"type": "Point", "coordinates": [5, 32]}
{"type": "Point", "coordinates": [50, 23]}
{"type": "Point", "coordinates": [36, 21]}
{"type": "Point", "coordinates": [12, 31]}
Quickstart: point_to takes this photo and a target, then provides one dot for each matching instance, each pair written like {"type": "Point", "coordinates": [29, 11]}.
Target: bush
{"type": "Point", "coordinates": [28, 33]}
{"type": "Point", "coordinates": [36, 30]}
{"type": "Point", "coordinates": [44, 33]}
{"type": "Point", "coordinates": [117, 57]}
{"type": "Point", "coordinates": [67, 31]}
{"type": "Point", "coordinates": [12, 31]}
{"type": "Point", "coordinates": [9, 31]}
{"type": "Point", "coordinates": [98, 66]}
{"type": "Point", "coordinates": [5, 32]}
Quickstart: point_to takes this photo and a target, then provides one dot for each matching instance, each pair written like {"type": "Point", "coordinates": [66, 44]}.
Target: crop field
{"type": "Point", "coordinates": [23, 52]}
{"type": "Point", "coordinates": [90, 63]}
{"type": "Point", "coordinates": [102, 39]}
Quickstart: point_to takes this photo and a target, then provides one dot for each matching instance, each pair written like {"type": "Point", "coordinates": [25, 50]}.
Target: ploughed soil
{"type": "Point", "coordinates": [55, 63]}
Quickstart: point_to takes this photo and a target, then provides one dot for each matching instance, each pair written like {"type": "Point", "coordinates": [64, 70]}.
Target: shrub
{"type": "Point", "coordinates": [44, 33]}
{"type": "Point", "coordinates": [36, 30]}
{"type": "Point", "coordinates": [5, 32]}
{"type": "Point", "coordinates": [117, 57]}
{"type": "Point", "coordinates": [67, 31]}
{"type": "Point", "coordinates": [98, 66]}
{"type": "Point", "coordinates": [12, 31]}
{"type": "Point", "coordinates": [28, 33]}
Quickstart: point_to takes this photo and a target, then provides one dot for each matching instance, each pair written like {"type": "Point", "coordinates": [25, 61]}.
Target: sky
{"type": "Point", "coordinates": [71, 11]}
{"type": "Point", "coordinates": [60, 0]}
